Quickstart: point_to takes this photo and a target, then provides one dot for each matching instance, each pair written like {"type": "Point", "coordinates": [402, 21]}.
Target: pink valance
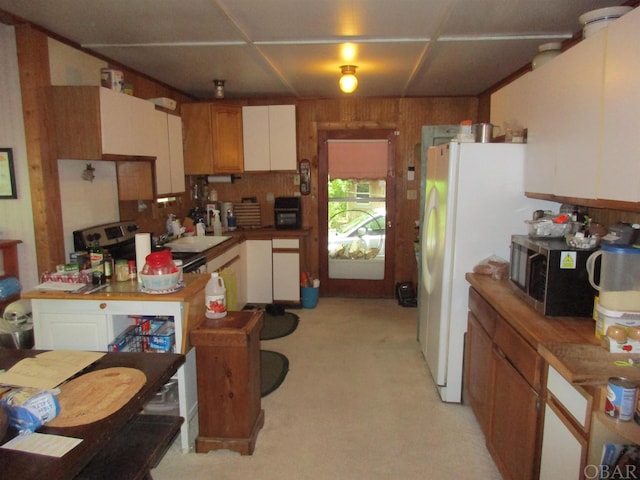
{"type": "Point", "coordinates": [358, 159]}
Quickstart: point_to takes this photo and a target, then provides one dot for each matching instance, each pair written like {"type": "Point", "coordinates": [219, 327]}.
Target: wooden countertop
{"type": "Point", "coordinates": [568, 344]}
{"type": "Point", "coordinates": [267, 233]}
{"type": "Point", "coordinates": [128, 291]}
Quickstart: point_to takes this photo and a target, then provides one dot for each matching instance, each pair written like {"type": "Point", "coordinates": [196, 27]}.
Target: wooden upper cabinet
{"type": "Point", "coordinates": [92, 122]}
{"type": "Point", "coordinates": [269, 134]}
{"type": "Point", "coordinates": [212, 139]}
{"type": "Point", "coordinates": [135, 180]}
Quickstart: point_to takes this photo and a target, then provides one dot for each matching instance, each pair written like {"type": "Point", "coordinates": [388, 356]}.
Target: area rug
{"type": "Point", "coordinates": [274, 367]}
{"type": "Point", "coordinates": [276, 326]}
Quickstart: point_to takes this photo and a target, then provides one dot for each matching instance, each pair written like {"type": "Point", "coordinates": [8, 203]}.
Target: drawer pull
{"type": "Point", "coordinates": [103, 306]}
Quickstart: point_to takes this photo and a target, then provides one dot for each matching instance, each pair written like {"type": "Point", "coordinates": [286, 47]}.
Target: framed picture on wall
{"type": "Point", "coordinates": [7, 174]}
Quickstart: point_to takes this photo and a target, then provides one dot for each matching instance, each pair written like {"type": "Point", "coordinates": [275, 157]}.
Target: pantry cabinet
{"type": "Point", "coordinates": [94, 122]}
{"type": "Point", "coordinates": [212, 139]}
{"type": "Point", "coordinates": [269, 137]}
{"type": "Point", "coordinates": [503, 384]}
{"type": "Point", "coordinates": [169, 165]}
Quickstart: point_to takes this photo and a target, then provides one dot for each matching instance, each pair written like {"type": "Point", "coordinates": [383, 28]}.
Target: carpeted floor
{"type": "Point", "coordinates": [358, 404]}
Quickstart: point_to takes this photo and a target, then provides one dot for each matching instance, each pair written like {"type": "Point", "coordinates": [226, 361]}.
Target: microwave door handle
{"type": "Point", "coordinates": [530, 261]}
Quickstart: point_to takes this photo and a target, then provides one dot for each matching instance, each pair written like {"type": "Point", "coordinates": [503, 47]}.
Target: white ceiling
{"type": "Point", "coordinates": [271, 48]}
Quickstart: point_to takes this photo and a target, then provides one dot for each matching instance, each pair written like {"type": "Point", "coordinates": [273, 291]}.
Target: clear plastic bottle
{"type": "Point", "coordinates": [215, 297]}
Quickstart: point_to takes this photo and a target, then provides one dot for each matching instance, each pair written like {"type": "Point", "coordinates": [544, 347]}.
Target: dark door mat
{"type": "Point", "coordinates": [274, 367]}
{"type": "Point", "coordinates": [276, 326]}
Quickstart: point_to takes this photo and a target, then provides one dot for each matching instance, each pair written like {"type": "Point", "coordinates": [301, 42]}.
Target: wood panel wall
{"type": "Point", "coordinates": [406, 115]}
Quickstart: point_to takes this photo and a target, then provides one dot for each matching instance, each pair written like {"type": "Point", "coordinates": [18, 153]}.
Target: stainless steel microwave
{"type": "Point", "coordinates": [551, 276]}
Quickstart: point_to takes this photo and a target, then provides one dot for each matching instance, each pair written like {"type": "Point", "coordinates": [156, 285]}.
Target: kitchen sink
{"type": "Point", "coordinates": [195, 243]}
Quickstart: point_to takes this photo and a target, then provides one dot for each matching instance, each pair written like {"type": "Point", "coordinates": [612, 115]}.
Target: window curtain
{"type": "Point", "coordinates": [358, 159]}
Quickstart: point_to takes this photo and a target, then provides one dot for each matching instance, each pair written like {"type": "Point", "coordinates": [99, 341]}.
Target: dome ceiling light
{"type": "Point", "coordinates": [348, 81]}
{"type": "Point", "coordinates": [219, 92]}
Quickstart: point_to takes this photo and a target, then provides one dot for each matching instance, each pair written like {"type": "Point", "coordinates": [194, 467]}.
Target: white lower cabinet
{"type": "Point", "coordinates": [286, 269]}
{"type": "Point", "coordinates": [273, 270]}
{"type": "Point", "coordinates": [259, 271]}
{"type": "Point", "coordinates": [93, 324]}
{"type": "Point", "coordinates": [565, 431]}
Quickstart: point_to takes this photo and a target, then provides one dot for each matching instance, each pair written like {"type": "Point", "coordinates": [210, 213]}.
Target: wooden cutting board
{"type": "Point", "coordinates": [96, 395]}
{"type": "Point", "coordinates": [247, 215]}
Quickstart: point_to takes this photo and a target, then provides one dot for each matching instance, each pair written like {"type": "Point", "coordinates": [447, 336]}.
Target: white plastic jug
{"type": "Point", "coordinates": [215, 297]}
{"type": "Point", "coordinates": [619, 285]}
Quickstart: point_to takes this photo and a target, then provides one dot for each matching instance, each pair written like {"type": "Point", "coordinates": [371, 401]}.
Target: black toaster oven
{"type": "Point", "coordinates": [288, 213]}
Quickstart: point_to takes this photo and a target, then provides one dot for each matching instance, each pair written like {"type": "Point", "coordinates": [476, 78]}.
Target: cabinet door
{"type": "Point", "coordinates": [478, 371]}
{"type": "Point", "coordinates": [255, 137]}
{"type": "Point", "coordinates": [226, 132]}
{"type": "Point", "coordinates": [620, 168]}
{"type": "Point", "coordinates": [198, 142]}
{"type": "Point", "coordinates": [513, 430]}
{"type": "Point", "coordinates": [174, 125]}
{"type": "Point", "coordinates": [286, 269]}
{"type": "Point", "coordinates": [509, 105]}
{"type": "Point", "coordinates": [259, 271]}
{"type": "Point", "coordinates": [282, 137]}
{"type": "Point", "coordinates": [564, 111]}
{"type": "Point", "coordinates": [163, 156]}
{"type": "Point", "coordinates": [125, 124]}
{"type": "Point", "coordinates": [560, 437]}
{"type": "Point", "coordinates": [135, 180]}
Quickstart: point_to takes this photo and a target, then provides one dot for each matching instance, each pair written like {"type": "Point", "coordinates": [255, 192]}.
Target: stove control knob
{"type": "Point", "coordinates": [132, 228]}
{"type": "Point", "coordinates": [93, 237]}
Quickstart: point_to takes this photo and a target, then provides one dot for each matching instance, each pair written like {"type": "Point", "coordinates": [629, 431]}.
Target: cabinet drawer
{"type": "Point", "coordinates": [286, 243]}
{"type": "Point", "coordinates": [485, 314]}
{"type": "Point", "coordinates": [90, 307]}
{"type": "Point", "coordinates": [568, 396]}
{"type": "Point", "coordinates": [521, 355]}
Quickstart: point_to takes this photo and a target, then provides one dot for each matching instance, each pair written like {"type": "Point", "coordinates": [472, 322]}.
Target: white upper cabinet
{"type": "Point", "coordinates": [269, 138]}
{"type": "Point", "coordinates": [169, 158]}
{"type": "Point", "coordinates": [509, 105]}
{"type": "Point", "coordinates": [564, 110]}
{"type": "Point", "coordinates": [620, 165]}
{"type": "Point", "coordinates": [125, 124]}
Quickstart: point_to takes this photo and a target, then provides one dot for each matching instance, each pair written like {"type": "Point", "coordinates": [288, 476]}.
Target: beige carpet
{"type": "Point", "coordinates": [358, 403]}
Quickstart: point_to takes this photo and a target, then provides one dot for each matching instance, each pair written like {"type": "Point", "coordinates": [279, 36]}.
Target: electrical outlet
{"type": "Point", "coordinates": [411, 194]}
{"type": "Point", "coordinates": [296, 179]}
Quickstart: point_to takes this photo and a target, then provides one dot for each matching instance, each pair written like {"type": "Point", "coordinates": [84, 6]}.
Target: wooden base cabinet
{"type": "Point", "coordinates": [503, 384]}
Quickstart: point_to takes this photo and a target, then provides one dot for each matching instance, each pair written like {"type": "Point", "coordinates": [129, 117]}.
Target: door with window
{"type": "Point", "coordinates": [356, 192]}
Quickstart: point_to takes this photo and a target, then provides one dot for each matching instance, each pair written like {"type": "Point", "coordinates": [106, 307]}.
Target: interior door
{"type": "Point", "coordinates": [356, 212]}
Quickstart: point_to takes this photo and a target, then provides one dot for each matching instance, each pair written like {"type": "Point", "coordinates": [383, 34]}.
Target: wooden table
{"type": "Point", "coordinates": [126, 444]}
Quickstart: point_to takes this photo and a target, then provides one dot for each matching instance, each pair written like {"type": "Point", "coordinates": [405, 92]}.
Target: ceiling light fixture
{"type": "Point", "coordinates": [348, 81]}
{"type": "Point", "coordinates": [219, 92]}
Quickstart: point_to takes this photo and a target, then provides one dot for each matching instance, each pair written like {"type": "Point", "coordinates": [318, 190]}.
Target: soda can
{"type": "Point", "coordinates": [621, 400]}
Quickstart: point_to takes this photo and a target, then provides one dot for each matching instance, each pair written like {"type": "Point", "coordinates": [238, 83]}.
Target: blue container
{"type": "Point", "coordinates": [309, 297]}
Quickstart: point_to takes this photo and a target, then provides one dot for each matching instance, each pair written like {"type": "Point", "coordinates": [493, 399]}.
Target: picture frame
{"type": "Point", "coordinates": [7, 174]}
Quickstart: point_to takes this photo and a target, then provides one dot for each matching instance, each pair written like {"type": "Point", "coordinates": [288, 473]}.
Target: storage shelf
{"type": "Point", "coordinates": [628, 430]}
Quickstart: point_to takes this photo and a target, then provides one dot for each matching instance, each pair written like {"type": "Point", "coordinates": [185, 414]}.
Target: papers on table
{"type": "Point", "coordinates": [48, 369]}
{"type": "Point", "coordinates": [42, 444]}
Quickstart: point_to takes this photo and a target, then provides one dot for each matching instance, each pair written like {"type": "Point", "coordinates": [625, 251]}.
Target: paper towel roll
{"type": "Point", "coordinates": [143, 248]}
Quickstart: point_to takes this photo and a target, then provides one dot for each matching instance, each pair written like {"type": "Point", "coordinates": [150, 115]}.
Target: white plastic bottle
{"type": "Point", "coordinates": [217, 225]}
{"type": "Point", "coordinates": [215, 297]}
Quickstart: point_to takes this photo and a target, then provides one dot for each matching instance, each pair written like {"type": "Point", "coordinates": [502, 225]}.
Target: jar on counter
{"type": "Point", "coordinates": [122, 270]}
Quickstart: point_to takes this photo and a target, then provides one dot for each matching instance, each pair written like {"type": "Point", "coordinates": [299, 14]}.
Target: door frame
{"type": "Point", "coordinates": [356, 287]}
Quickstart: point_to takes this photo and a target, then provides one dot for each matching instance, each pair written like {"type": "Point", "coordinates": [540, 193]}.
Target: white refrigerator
{"type": "Point", "coordinates": [473, 202]}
